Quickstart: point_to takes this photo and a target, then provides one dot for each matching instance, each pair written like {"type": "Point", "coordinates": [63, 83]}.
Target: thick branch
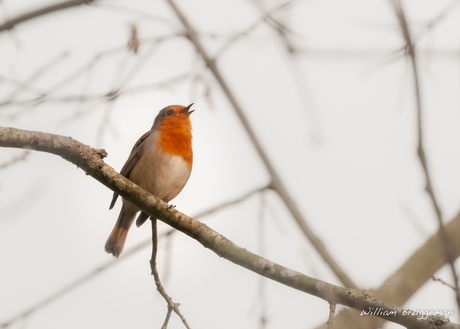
{"type": "Point", "coordinates": [90, 160]}
{"type": "Point", "coordinates": [9, 24]}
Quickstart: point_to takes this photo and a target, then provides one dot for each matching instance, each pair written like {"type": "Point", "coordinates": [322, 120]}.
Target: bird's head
{"type": "Point", "coordinates": [173, 117]}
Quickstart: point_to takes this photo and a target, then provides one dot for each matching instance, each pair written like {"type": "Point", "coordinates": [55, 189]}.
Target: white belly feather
{"type": "Point", "coordinates": [162, 175]}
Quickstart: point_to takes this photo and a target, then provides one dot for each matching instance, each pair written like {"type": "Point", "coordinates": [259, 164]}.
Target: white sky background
{"type": "Point", "coordinates": [347, 153]}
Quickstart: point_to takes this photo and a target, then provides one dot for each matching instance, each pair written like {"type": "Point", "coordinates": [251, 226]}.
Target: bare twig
{"type": "Point", "coordinates": [90, 161]}
{"type": "Point", "coordinates": [139, 14]}
{"type": "Point", "coordinates": [120, 82]}
{"type": "Point", "coordinates": [443, 282]}
{"type": "Point", "coordinates": [297, 72]}
{"type": "Point", "coordinates": [9, 24]}
{"type": "Point", "coordinates": [45, 96]}
{"type": "Point", "coordinates": [20, 86]}
{"type": "Point", "coordinates": [413, 220]}
{"type": "Point", "coordinates": [231, 202]}
{"type": "Point", "coordinates": [399, 11]}
{"type": "Point", "coordinates": [281, 29]}
{"type": "Point", "coordinates": [168, 83]}
{"type": "Point", "coordinates": [100, 98]}
{"type": "Point", "coordinates": [153, 266]}
{"type": "Point", "coordinates": [16, 159]}
{"type": "Point", "coordinates": [37, 74]}
{"type": "Point", "coordinates": [276, 182]}
{"type": "Point", "coordinates": [237, 36]}
{"type": "Point", "coordinates": [449, 9]}
{"type": "Point", "coordinates": [75, 284]}
{"type": "Point", "coordinates": [331, 316]}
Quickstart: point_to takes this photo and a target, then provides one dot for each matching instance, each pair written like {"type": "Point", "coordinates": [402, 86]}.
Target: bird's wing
{"type": "Point", "coordinates": [136, 154]}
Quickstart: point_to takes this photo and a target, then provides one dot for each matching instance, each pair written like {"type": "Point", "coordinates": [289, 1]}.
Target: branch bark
{"type": "Point", "coordinates": [9, 24]}
{"type": "Point", "coordinates": [90, 160]}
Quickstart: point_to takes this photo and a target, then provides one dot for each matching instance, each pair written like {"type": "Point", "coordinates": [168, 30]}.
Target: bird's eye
{"type": "Point", "coordinates": [169, 112]}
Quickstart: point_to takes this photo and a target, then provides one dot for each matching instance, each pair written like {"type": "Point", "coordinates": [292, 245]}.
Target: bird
{"type": "Point", "coordinates": [161, 163]}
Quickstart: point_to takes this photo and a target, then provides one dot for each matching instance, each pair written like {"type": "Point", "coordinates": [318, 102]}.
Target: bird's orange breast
{"type": "Point", "coordinates": [176, 138]}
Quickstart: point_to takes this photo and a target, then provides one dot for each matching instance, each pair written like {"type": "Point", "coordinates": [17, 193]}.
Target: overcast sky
{"type": "Point", "coordinates": [337, 120]}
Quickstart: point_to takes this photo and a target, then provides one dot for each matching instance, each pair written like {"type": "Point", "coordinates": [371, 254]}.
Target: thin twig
{"type": "Point", "coordinates": [23, 86]}
{"type": "Point", "coordinates": [281, 29]}
{"type": "Point", "coordinates": [276, 182]}
{"type": "Point", "coordinates": [139, 14]}
{"type": "Point", "coordinates": [231, 202]}
{"type": "Point", "coordinates": [443, 282]}
{"type": "Point", "coordinates": [449, 9]}
{"type": "Point", "coordinates": [297, 71]}
{"type": "Point", "coordinates": [98, 98]}
{"type": "Point", "coordinates": [44, 96]}
{"type": "Point", "coordinates": [251, 28]}
{"type": "Point", "coordinates": [118, 85]}
{"type": "Point", "coordinates": [27, 86]}
{"type": "Point", "coordinates": [331, 316]}
{"type": "Point", "coordinates": [16, 159]}
{"type": "Point", "coordinates": [101, 55]}
{"type": "Point", "coordinates": [399, 11]}
{"type": "Point", "coordinates": [153, 265]}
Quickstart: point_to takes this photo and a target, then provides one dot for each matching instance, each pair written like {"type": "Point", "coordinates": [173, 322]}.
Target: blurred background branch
{"type": "Point", "coordinates": [276, 182]}
{"type": "Point", "coordinates": [11, 23]}
{"type": "Point", "coordinates": [410, 49]}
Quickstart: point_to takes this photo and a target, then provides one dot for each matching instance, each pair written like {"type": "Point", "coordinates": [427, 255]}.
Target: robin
{"type": "Point", "coordinates": [160, 162]}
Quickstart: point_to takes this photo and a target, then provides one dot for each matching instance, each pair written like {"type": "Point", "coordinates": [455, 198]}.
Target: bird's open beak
{"type": "Point", "coordinates": [186, 110]}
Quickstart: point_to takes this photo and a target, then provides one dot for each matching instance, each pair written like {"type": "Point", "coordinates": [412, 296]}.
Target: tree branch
{"type": "Point", "coordinates": [276, 182]}
{"type": "Point", "coordinates": [408, 278]}
{"type": "Point", "coordinates": [156, 276]}
{"type": "Point", "coordinates": [90, 161]}
{"type": "Point", "coordinates": [9, 24]}
{"type": "Point", "coordinates": [410, 47]}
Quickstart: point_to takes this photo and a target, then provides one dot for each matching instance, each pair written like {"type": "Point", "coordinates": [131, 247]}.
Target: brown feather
{"type": "Point", "coordinates": [136, 154]}
{"type": "Point", "coordinates": [116, 241]}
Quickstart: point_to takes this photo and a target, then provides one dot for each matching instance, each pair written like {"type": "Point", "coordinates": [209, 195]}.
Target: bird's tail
{"type": "Point", "coordinates": [116, 241]}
